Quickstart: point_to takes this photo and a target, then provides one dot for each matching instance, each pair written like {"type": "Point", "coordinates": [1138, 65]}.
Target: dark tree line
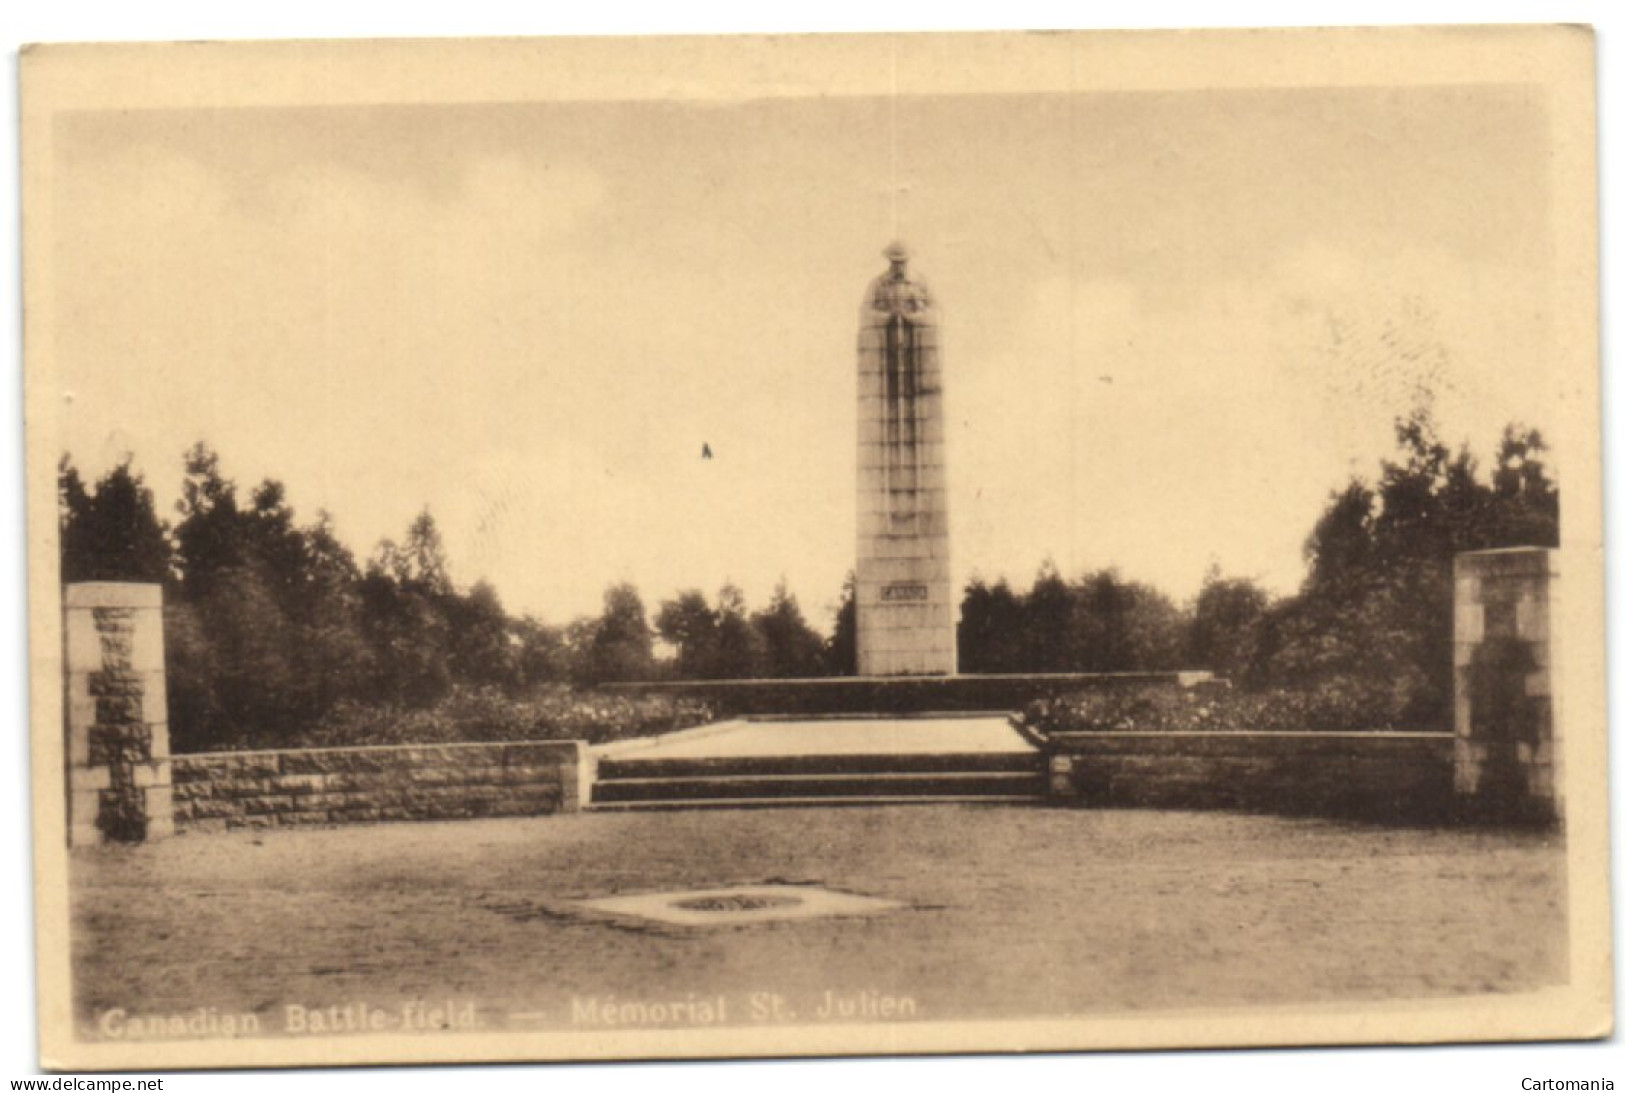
{"type": "Point", "coordinates": [271, 622]}
{"type": "Point", "coordinates": [1098, 623]}
{"type": "Point", "coordinates": [1370, 626]}
{"type": "Point", "coordinates": [724, 641]}
{"type": "Point", "coordinates": [1373, 617]}
{"type": "Point", "coordinates": [729, 642]}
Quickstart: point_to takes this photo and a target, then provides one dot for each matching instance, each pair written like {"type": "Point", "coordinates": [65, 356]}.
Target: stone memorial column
{"type": "Point", "coordinates": [117, 721]}
{"type": "Point", "coordinates": [905, 600]}
{"type": "Point", "coordinates": [1508, 759]}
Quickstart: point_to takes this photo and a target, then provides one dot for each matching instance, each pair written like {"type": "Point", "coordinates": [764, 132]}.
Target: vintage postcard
{"type": "Point", "coordinates": [875, 544]}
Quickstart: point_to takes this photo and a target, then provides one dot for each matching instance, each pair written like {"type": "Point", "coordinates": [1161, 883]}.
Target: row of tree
{"type": "Point", "coordinates": [1097, 623]}
{"type": "Point", "coordinates": [1371, 623]}
{"type": "Point", "coordinates": [270, 622]}
{"type": "Point", "coordinates": [1374, 613]}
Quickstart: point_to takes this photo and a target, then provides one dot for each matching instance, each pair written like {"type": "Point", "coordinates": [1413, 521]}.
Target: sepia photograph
{"type": "Point", "coordinates": [902, 544]}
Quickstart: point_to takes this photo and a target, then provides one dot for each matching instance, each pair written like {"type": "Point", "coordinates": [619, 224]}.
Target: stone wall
{"type": "Point", "coordinates": [117, 721]}
{"type": "Point", "coordinates": [1376, 776]}
{"type": "Point", "coordinates": [220, 790]}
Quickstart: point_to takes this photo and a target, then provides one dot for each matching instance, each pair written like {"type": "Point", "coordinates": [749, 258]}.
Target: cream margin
{"type": "Point", "coordinates": [1560, 59]}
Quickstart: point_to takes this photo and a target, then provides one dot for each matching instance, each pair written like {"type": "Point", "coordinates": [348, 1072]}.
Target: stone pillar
{"type": "Point", "coordinates": [1063, 775]}
{"type": "Point", "coordinates": [117, 720]}
{"type": "Point", "coordinates": [1508, 759]}
{"type": "Point", "coordinates": [905, 599]}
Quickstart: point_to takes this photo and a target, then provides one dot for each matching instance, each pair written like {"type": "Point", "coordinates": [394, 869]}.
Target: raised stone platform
{"type": "Point", "coordinates": [842, 736]}
{"type": "Point", "coordinates": [870, 760]}
{"type": "Point", "coordinates": [846, 695]}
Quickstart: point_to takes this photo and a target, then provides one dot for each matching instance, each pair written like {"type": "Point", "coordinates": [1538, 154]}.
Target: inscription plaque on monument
{"type": "Point", "coordinates": [905, 606]}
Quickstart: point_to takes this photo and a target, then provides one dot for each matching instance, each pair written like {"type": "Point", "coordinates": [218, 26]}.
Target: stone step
{"type": "Point", "coordinates": [1026, 762]}
{"type": "Point", "coordinates": [868, 801]}
{"type": "Point", "coordinates": [769, 787]}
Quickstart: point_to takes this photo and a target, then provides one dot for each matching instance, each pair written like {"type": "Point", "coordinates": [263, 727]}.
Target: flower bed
{"type": "Point", "coordinates": [487, 715]}
{"type": "Point", "coordinates": [1216, 707]}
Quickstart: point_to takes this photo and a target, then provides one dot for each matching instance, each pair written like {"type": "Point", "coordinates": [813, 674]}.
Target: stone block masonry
{"type": "Point", "coordinates": [117, 724]}
{"type": "Point", "coordinates": [904, 590]}
{"type": "Point", "coordinates": [1508, 757]}
{"type": "Point", "coordinates": [218, 791]}
{"type": "Point", "coordinates": [1379, 776]}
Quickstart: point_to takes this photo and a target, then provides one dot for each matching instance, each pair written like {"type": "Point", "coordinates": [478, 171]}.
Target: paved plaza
{"type": "Point", "coordinates": [962, 911]}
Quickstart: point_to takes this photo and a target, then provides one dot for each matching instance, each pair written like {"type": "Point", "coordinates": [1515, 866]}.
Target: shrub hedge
{"type": "Point", "coordinates": [1335, 706]}
{"type": "Point", "coordinates": [486, 714]}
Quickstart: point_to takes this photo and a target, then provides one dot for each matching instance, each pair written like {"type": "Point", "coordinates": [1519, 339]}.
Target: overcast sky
{"type": "Point", "coordinates": [1172, 321]}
